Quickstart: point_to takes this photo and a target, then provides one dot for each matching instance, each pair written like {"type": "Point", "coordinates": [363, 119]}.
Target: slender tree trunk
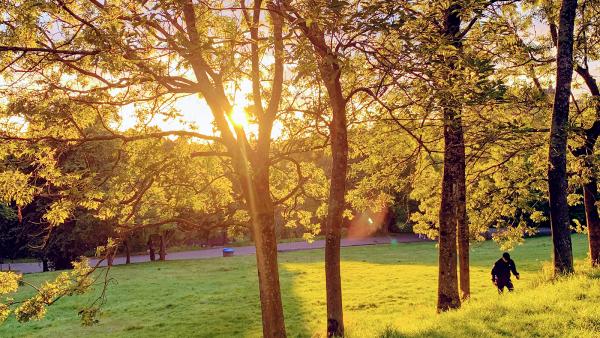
{"type": "Point", "coordinates": [127, 252]}
{"type": "Point", "coordinates": [590, 191]}
{"type": "Point", "coordinates": [263, 219]}
{"type": "Point", "coordinates": [337, 192]}
{"type": "Point", "coordinates": [44, 265]}
{"type": "Point", "coordinates": [151, 249]}
{"type": "Point", "coordinates": [162, 253]}
{"type": "Point", "coordinates": [557, 158]}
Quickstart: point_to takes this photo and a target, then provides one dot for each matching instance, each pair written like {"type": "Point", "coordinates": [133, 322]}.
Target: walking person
{"type": "Point", "coordinates": [501, 273]}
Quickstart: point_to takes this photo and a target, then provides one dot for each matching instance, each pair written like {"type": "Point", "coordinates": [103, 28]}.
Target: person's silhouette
{"type": "Point", "coordinates": [501, 273]}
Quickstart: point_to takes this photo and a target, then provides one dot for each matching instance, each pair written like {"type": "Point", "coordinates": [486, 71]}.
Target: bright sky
{"type": "Point", "coordinates": [196, 115]}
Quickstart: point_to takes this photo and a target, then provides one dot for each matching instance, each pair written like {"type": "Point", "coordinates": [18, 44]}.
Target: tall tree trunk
{"type": "Point", "coordinates": [590, 188]}
{"type": "Point", "coordinates": [127, 252]}
{"type": "Point", "coordinates": [162, 251]}
{"type": "Point", "coordinates": [448, 296]}
{"type": "Point", "coordinates": [263, 220]}
{"type": "Point", "coordinates": [330, 73]}
{"type": "Point", "coordinates": [557, 158]}
{"type": "Point", "coordinates": [590, 191]}
{"type": "Point", "coordinates": [452, 218]}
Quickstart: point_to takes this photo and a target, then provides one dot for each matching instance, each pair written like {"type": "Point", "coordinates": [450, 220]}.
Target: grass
{"type": "Point", "coordinates": [389, 291]}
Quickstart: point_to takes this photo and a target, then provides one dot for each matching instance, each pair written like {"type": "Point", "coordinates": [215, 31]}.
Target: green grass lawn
{"type": "Point", "coordinates": [389, 290]}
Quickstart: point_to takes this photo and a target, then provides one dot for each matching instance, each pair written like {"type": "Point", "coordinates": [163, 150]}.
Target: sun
{"type": "Point", "coordinates": [239, 117]}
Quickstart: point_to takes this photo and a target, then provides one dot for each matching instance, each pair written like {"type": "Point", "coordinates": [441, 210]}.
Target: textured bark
{"type": "Point", "coordinates": [333, 228]}
{"type": "Point", "coordinates": [263, 221]}
{"type": "Point", "coordinates": [452, 217]}
{"type": "Point", "coordinates": [255, 181]}
{"type": "Point", "coordinates": [448, 296]}
{"type": "Point", "coordinates": [590, 191]}
{"type": "Point", "coordinates": [557, 157]}
{"type": "Point", "coordinates": [590, 188]}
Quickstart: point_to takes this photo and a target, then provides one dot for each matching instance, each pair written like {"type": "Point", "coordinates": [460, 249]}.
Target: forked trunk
{"type": "Point", "coordinates": [557, 158]}
{"type": "Point", "coordinates": [590, 191]}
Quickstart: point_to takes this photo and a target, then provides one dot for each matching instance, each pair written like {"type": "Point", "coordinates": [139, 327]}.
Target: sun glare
{"type": "Point", "coordinates": [239, 117]}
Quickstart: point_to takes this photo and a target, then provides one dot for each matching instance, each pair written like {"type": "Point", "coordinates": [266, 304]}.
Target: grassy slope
{"type": "Point", "coordinates": [387, 290]}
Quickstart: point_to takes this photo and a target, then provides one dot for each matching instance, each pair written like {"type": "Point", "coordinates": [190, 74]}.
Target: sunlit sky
{"type": "Point", "coordinates": [196, 114]}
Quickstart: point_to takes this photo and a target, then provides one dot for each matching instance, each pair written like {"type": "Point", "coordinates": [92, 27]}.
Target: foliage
{"type": "Point", "coordinates": [76, 281]}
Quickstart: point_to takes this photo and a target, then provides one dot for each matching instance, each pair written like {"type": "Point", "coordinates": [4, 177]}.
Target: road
{"type": "Point", "coordinates": [239, 251]}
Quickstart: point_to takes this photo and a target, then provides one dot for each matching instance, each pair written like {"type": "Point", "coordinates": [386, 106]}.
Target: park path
{"type": "Point", "coordinates": [239, 251]}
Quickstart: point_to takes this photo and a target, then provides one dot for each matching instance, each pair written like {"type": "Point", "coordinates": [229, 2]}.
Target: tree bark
{"type": "Point", "coordinates": [330, 73]}
{"type": "Point", "coordinates": [127, 252]}
{"type": "Point", "coordinates": [590, 191]}
{"type": "Point", "coordinates": [263, 219]}
{"type": "Point", "coordinates": [251, 167]}
{"type": "Point", "coordinates": [329, 68]}
{"type": "Point", "coordinates": [453, 231]}
{"type": "Point", "coordinates": [162, 253]}
{"type": "Point", "coordinates": [557, 157]}
{"type": "Point", "coordinates": [448, 296]}
{"type": "Point", "coordinates": [151, 249]}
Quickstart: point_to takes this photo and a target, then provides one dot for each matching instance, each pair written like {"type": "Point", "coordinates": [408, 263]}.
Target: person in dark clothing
{"type": "Point", "coordinates": [501, 273]}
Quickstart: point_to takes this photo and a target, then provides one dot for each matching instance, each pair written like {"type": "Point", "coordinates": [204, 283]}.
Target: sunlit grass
{"type": "Point", "coordinates": [387, 290]}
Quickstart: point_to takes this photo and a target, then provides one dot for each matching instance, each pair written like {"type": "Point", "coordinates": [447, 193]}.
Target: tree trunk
{"type": "Point", "coordinates": [448, 297]}
{"type": "Point", "coordinates": [110, 255]}
{"type": "Point", "coordinates": [44, 265]}
{"type": "Point", "coordinates": [463, 234]}
{"type": "Point", "coordinates": [162, 253]}
{"type": "Point", "coordinates": [330, 73]}
{"type": "Point", "coordinates": [265, 240]}
{"type": "Point", "coordinates": [151, 249]}
{"type": "Point", "coordinates": [590, 191]}
{"type": "Point", "coordinates": [254, 180]}
{"type": "Point", "coordinates": [557, 158]}
{"type": "Point", "coordinates": [452, 217]}
{"type": "Point", "coordinates": [127, 252]}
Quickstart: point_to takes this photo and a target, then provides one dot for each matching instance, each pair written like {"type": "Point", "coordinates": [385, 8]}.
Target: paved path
{"type": "Point", "coordinates": [239, 251]}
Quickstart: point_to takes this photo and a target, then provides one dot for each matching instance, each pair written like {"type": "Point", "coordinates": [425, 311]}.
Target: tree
{"type": "Point", "coordinates": [117, 53]}
{"type": "Point", "coordinates": [557, 158]}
